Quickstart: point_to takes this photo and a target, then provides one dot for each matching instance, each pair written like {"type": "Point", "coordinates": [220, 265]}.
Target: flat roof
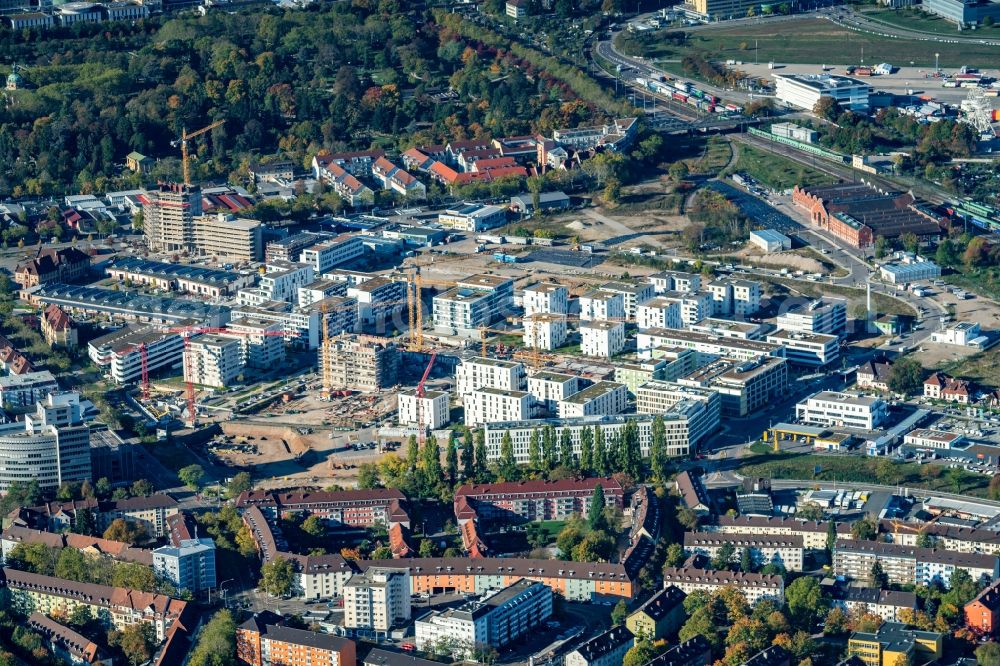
{"type": "Point", "coordinates": [170, 270]}
{"type": "Point", "coordinates": [771, 234]}
{"type": "Point", "coordinates": [550, 376]}
{"type": "Point", "coordinates": [593, 391]}
{"type": "Point", "coordinates": [822, 82]}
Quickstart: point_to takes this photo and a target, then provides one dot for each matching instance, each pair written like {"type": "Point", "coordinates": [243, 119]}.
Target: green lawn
{"type": "Point", "coordinates": [983, 368]}
{"type": "Point", "coordinates": [860, 469]}
{"type": "Point", "coordinates": [775, 171]}
{"type": "Point", "coordinates": [915, 19]}
{"type": "Point", "coordinates": [819, 41]}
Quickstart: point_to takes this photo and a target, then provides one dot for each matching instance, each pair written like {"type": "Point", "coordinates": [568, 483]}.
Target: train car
{"type": "Point", "coordinates": [732, 107]}
{"type": "Point", "coordinates": [697, 93]}
{"type": "Point", "coordinates": [712, 98]}
{"type": "Point", "coordinates": [680, 97]}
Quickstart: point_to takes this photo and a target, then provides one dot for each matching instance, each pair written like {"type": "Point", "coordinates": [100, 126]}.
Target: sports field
{"type": "Point", "coordinates": [817, 41]}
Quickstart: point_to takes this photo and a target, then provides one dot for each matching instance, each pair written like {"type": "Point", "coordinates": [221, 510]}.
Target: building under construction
{"type": "Point", "coordinates": [359, 363]}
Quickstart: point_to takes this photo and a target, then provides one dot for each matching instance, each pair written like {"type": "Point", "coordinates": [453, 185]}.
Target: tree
{"type": "Point", "coordinates": [535, 451]}
{"type": "Point", "coordinates": [507, 467]}
{"type": "Point", "coordinates": [136, 642]}
{"type": "Point", "coordinates": [988, 654]}
{"type": "Point", "coordinates": [277, 577]}
{"type": "Point", "coordinates": [191, 476]}
{"type": "Point", "coordinates": [678, 171]}
{"type": "Point", "coordinates": [368, 476]}
{"type": "Point", "coordinates": [549, 447]}
{"type": "Point", "coordinates": [600, 452]}
{"type": "Point", "coordinates": [805, 602]}
{"type": "Point", "coordinates": [640, 653]}
{"type": "Point", "coordinates": [658, 460]}
{"type": "Point", "coordinates": [586, 450]}
{"type": "Point", "coordinates": [827, 108]}
{"type": "Point", "coordinates": [723, 556]}
{"type": "Point", "coordinates": [906, 376]}
{"type": "Point", "coordinates": [910, 242]}
{"type": "Point", "coordinates": [688, 519]}
{"type": "Point", "coordinates": [831, 536]}
{"type": "Point", "coordinates": [430, 465]}
{"type": "Point", "coordinates": [142, 488]}
{"type": "Point", "coordinates": [216, 644]}
{"type": "Point", "coordinates": [240, 483]}
{"type": "Point", "coordinates": [125, 531]}
{"type": "Point", "coordinates": [451, 460]}
{"type": "Point", "coordinates": [675, 555]}
{"type": "Point", "coordinates": [468, 455]}
{"type": "Point", "coordinates": [426, 548]}
{"type": "Point", "coordinates": [482, 472]}
{"type": "Point", "coordinates": [566, 449]}
{"type": "Point", "coordinates": [619, 613]}
{"type": "Point", "coordinates": [631, 456]}
{"type": "Point", "coordinates": [568, 538]}
{"type": "Point", "coordinates": [881, 247]}
{"type": "Point", "coordinates": [865, 529]}
{"type": "Point", "coordinates": [596, 546]}
{"type": "Point", "coordinates": [878, 578]}
{"type": "Point", "coordinates": [595, 515]}
{"type": "Point", "coordinates": [746, 561]}
{"type": "Point", "coordinates": [810, 511]}
{"type": "Point", "coordinates": [313, 526]}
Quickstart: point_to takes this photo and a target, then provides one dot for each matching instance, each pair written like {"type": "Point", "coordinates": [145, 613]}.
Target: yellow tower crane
{"type": "Point", "coordinates": [183, 141]}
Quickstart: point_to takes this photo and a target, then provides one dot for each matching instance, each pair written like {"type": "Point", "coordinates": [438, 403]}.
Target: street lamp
{"type": "Point", "coordinates": [937, 69]}
{"type": "Point", "coordinates": [222, 591]}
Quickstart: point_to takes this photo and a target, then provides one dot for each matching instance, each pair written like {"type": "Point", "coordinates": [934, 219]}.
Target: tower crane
{"type": "Point", "coordinates": [183, 141]}
{"type": "Point", "coordinates": [144, 366]}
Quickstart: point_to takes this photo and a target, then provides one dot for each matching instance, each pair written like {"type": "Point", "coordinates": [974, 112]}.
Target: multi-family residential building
{"type": "Point", "coordinates": [319, 290]}
{"type": "Point", "coordinates": [634, 374]}
{"type": "Point", "coordinates": [735, 297]}
{"type": "Point", "coordinates": [693, 493]}
{"type": "Point", "coordinates": [813, 350]}
{"type": "Point", "coordinates": [489, 405]}
{"type": "Point", "coordinates": [657, 397]}
{"type": "Point", "coordinates": [832, 409]}
{"type": "Point", "coordinates": [262, 343]}
{"type": "Point", "coordinates": [213, 360]}
{"type": "Point", "coordinates": [545, 298]}
{"type": "Point", "coordinates": [361, 365]}
{"type": "Point", "coordinates": [786, 550]}
{"type": "Point", "coordinates": [597, 399]}
{"type": "Point", "coordinates": [605, 649]}
{"type": "Point", "coordinates": [378, 299]}
{"type": "Point", "coordinates": [946, 537]}
{"type": "Point", "coordinates": [982, 614]}
{"type": "Point", "coordinates": [695, 651]}
{"type": "Point", "coordinates": [600, 338]}
{"type": "Point", "coordinates": [281, 282]}
{"type": "Point", "coordinates": [548, 388]}
{"type": "Point", "coordinates": [474, 302]}
{"type": "Point", "coordinates": [189, 565]}
{"type": "Point", "coordinates": [70, 646]}
{"type": "Point", "coordinates": [120, 354]}
{"type": "Point", "coordinates": [496, 620]}
{"type": "Point", "coordinates": [874, 374]}
{"type": "Point", "coordinates": [226, 237]}
{"type": "Point", "coordinates": [91, 546]}
{"type": "Point", "coordinates": [909, 565]}
{"type": "Point", "coordinates": [50, 447]}
{"type": "Point", "coordinates": [535, 500]}
{"type": "Point", "coordinates": [826, 315]}
{"type": "Point", "coordinates": [289, 248]}
{"type": "Point", "coordinates": [813, 532]}
{"type": "Point", "coordinates": [260, 641]}
{"type": "Point", "coordinates": [377, 600]}
{"type": "Point", "coordinates": [473, 217]}
{"type": "Point", "coordinates": [329, 254]}
{"type": "Point", "coordinates": [344, 183]}
{"type": "Point", "coordinates": [632, 294]}
{"type": "Point", "coordinates": [151, 513]}
{"type": "Point", "coordinates": [939, 386]}
{"type": "Point", "coordinates": [391, 177]}
{"type": "Point", "coordinates": [706, 344]}
{"type": "Point", "coordinates": [23, 391]}
{"type": "Point", "coordinates": [725, 327]}
{"type": "Point", "coordinates": [675, 281]}
{"type": "Point", "coordinates": [477, 373]}
{"type": "Point", "coordinates": [660, 312]}
{"type": "Point", "coordinates": [351, 508]}
{"type": "Point", "coordinates": [893, 643]}
{"type": "Point", "coordinates": [57, 328]}
{"type": "Point", "coordinates": [886, 604]}
{"type": "Point", "coordinates": [429, 411]}
{"type": "Point", "coordinates": [599, 305]}
{"type": "Point", "coordinates": [753, 586]}
{"type": "Point", "coordinates": [113, 607]}
{"type": "Point", "coordinates": [661, 616]}
{"type": "Point", "coordinates": [743, 387]}
{"type": "Point", "coordinates": [545, 331]}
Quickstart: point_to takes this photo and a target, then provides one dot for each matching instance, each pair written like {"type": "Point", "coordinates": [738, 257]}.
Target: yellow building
{"type": "Point", "coordinates": [659, 617]}
{"type": "Point", "coordinates": [895, 645]}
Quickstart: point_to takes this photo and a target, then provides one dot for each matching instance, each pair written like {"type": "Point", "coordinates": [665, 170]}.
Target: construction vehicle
{"type": "Point", "coordinates": [183, 141]}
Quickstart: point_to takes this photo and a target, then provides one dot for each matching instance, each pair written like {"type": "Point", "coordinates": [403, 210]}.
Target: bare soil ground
{"type": "Point", "coordinates": [789, 260]}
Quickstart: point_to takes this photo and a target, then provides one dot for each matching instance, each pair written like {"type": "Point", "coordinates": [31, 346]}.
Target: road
{"type": "Point", "coordinates": [849, 18]}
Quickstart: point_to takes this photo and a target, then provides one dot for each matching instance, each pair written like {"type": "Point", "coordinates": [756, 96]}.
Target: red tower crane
{"type": "Point", "coordinates": [144, 365]}
{"type": "Point", "coordinates": [421, 433]}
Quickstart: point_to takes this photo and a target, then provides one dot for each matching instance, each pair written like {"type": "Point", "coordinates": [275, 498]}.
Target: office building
{"type": "Point", "coordinates": [51, 446]}
{"type": "Point", "coordinates": [329, 254]}
{"type": "Point", "coordinates": [909, 565]}
{"type": "Point", "coordinates": [168, 217]}
{"type": "Point", "coordinates": [753, 586]}
{"type": "Point", "coordinates": [706, 344]}
{"type": "Point", "coordinates": [597, 399]}
{"type": "Point", "coordinates": [832, 409]}
{"type": "Point", "coordinates": [605, 649]}
{"type": "Point", "coordinates": [477, 373]}
{"type": "Point", "coordinates": [660, 617]}
{"type": "Point", "coordinates": [545, 331]}
{"type": "Point", "coordinates": [804, 91]}
{"type": "Point", "coordinates": [598, 305]}
{"type": "Point", "coordinates": [377, 600]}
{"type": "Point", "coordinates": [825, 315]}
{"type": "Point", "coordinates": [548, 388]}
{"type": "Point", "coordinates": [602, 339]}
{"type": "Point", "coordinates": [533, 500]}
{"type": "Point", "coordinates": [188, 566]}
{"type": "Point", "coordinates": [544, 298]}
{"type": "Point", "coordinates": [262, 642]}
{"type": "Point", "coordinates": [213, 360]}
{"type": "Point", "coordinates": [361, 365]}
{"type": "Point", "coordinates": [788, 551]}
{"type": "Point", "coordinates": [227, 237]}
{"type": "Point", "coordinates": [430, 411]}
{"type": "Point", "coordinates": [23, 391]}
{"type": "Point", "coordinates": [473, 217]}
{"type": "Point", "coordinates": [119, 354]}
{"type": "Point", "coordinates": [495, 621]}
{"type": "Point", "coordinates": [811, 350]}
{"type": "Point", "coordinates": [488, 405]}
{"type": "Point", "coordinates": [657, 397]}
{"type": "Point", "coordinates": [893, 643]}
{"type": "Point", "coordinates": [743, 386]}
{"type": "Point", "coordinates": [964, 13]}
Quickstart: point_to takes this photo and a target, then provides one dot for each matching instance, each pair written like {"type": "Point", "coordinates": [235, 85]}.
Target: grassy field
{"type": "Point", "coordinates": [717, 153]}
{"type": "Point", "coordinates": [883, 304]}
{"type": "Point", "coordinates": [917, 20]}
{"type": "Point", "coordinates": [983, 368]}
{"type": "Point", "coordinates": [775, 171]}
{"type": "Point", "coordinates": [814, 41]}
{"type": "Point", "coordinates": [858, 469]}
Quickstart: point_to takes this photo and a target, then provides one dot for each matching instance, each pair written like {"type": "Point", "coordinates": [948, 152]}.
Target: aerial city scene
{"type": "Point", "coordinates": [502, 332]}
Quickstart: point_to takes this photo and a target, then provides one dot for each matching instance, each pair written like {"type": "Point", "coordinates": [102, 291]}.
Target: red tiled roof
{"type": "Point", "coordinates": [539, 486]}
{"type": "Point", "coordinates": [56, 318]}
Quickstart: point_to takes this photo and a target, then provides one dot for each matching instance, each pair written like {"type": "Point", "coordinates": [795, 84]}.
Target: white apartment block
{"type": "Point", "coordinates": [378, 299]}
{"type": "Point", "coordinates": [262, 342]}
{"type": "Point", "coordinates": [600, 305]}
{"type": "Point", "coordinates": [319, 290]}
{"type": "Point", "coordinates": [675, 281]}
{"type": "Point", "coordinates": [377, 600]}
{"type": "Point", "coordinates": [475, 301]}
{"type": "Point", "coordinates": [826, 315]}
{"type": "Point", "coordinates": [213, 360]}
{"type": "Point", "coordinates": [119, 354]}
{"type": "Point", "coordinates": [735, 297]}
{"type": "Point", "coordinates": [833, 409]}
{"type": "Point", "coordinates": [659, 313]}
{"type": "Point", "coordinates": [430, 411]}
{"type": "Point", "coordinates": [908, 565]}
{"type": "Point", "coordinates": [729, 328]}
{"type": "Point", "coordinates": [544, 298]}
{"type": "Point", "coordinates": [489, 405]}
{"type": "Point", "coordinates": [786, 550]}
{"type": "Point", "coordinates": [813, 350]}
{"type": "Point", "coordinates": [632, 294]}
{"type": "Point", "coordinates": [754, 587]}
{"type": "Point", "coordinates": [602, 398]}
{"type": "Point", "coordinates": [548, 388]}
{"type": "Point", "coordinates": [281, 282]}
{"type": "Point", "coordinates": [334, 252]}
{"type": "Point", "coordinates": [476, 373]}
{"type": "Point", "coordinates": [545, 331]}
{"type": "Point", "coordinates": [813, 532]}
{"type": "Point", "coordinates": [188, 566]}
{"type": "Point", "coordinates": [603, 339]}
{"type": "Point", "coordinates": [706, 344]}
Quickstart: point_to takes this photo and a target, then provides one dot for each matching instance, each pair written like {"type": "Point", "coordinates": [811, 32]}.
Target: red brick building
{"type": "Point", "coordinates": [982, 614]}
{"type": "Point", "coordinates": [532, 500]}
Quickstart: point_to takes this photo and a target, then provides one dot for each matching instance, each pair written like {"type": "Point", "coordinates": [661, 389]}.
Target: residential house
{"type": "Point", "coordinates": [661, 616]}
{"type": "Point", "coordinates": [57, 328]}
{"type": "Point", "coordinates": [875, 375]}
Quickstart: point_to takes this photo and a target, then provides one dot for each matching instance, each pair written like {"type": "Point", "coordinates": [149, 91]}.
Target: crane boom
{"type": "Point", "coordinates": [427, 373]}
{"type": "Point", "coordinates": [185, 137]}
